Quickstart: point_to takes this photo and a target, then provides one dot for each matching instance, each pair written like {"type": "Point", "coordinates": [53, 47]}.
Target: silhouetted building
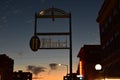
{"type": "Point", "coordinates": [74, 77]}
{"type": "Point", "coordinates": [109, 24]}
{"type": "Point", "coordinates": [20, 75]}
{"type": "Point", "coordinates": [108, 53]}
{"type": "Point", "coordinates": [6, 67]}
{"type": "Point", "coordinates": [89, 56]}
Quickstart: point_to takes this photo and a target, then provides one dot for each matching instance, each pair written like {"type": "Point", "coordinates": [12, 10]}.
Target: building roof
{"type": "Point", "coordinates": [90, 53]}
{"type": "Point", "coordinates": [5, 57]}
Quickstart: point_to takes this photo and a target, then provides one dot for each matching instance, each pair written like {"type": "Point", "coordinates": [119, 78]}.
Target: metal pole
{"type": "Point", "coordinates": [70, 30]}
{"type": "Point", "coordinates": [35, 28]}
{"type": "Point", "coordinates": [67, 69]}
{"type": "Point", "coordinates": [104, 74]}
{"type": "Point", "coordinates": [65, 66]}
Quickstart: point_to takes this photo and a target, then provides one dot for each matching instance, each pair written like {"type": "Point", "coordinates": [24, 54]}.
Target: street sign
{"type": "Point", "coordinates": [34, 43]}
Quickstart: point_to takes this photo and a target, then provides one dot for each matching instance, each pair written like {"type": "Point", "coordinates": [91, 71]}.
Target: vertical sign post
{"type": "Point", "coordinates": [35, 42]}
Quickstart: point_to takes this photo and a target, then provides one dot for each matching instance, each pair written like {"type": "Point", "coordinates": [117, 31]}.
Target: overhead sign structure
{"type": "Point", "coordinates": [48, 43]}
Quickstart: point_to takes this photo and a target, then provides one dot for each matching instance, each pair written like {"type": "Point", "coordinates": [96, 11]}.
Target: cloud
{"type": "Point", "coordinates": [35, 69]}
{"type": "Point", "coordinates": [16, 11]}
{"type": "Point", "coordinates": [4, 17]}
{"type": "Point", "coordinates": [1, 26]}
{"type": "Point", "coordinates": [30, 21]}
{"type": "Point", "coordinates": [3, 20]}
{"type": "Point", "coordinates": [53, 66]}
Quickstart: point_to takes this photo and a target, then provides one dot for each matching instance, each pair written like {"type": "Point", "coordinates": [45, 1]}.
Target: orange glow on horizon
{"type": "Point", "coordinates": [52, 75]}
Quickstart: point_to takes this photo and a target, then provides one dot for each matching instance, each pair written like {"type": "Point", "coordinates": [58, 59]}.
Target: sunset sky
{"type": "Point", "coordinates": [17, 27]}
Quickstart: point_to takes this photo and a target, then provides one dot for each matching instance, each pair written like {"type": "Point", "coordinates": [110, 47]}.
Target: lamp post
{"type": "Point", "coordinates": [64, 65]}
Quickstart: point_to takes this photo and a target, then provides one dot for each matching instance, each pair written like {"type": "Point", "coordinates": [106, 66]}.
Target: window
{"type": "Point", "coordinates": [28, 75]}
{"type": "Point", "coordinates": [115, 12]}
{"type": "Point", "coordinates": [119, 4]}
{"type": "Point", "coordinates": [102, 29]}
{"type": "Point", "coordinates": [116, 34]}
{"type": "Point", "coordinates": [103, 47]}
{"type": "Point", "coordinates": [107, 43]}
{"type": "Point", "coordinates": [106, 24]}
{"type": "Point", "coordinates": [111, 40]}
{"type": "Point", "coordinates": [0, 77]}
{"type": "Point", "coordinates": [116, 40]}
{"type": "Point", "coordinates": [110, 19]}
{"type": "Point", "coordinates": [18, 75]}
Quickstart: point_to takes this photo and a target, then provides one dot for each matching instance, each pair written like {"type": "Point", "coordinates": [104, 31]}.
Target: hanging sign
{"type": "Point", "coordinates": [34, 43]}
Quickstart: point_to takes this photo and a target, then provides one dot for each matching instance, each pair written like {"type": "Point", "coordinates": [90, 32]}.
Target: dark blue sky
{"type": "Point", "coordinates": [17, 24]}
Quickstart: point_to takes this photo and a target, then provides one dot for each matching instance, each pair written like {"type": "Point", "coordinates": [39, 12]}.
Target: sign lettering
{"type": "Point", "coordinates": [49, 43]}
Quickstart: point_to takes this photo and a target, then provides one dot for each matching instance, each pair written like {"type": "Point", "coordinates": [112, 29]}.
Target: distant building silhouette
{"type": "Point", "coordinates": [109, 24]}
{"type": "Point", "coordinates": [20, 75]}
{"type": "Point", "coordinates": [6, 67]}
{"type": "Point", "coordinates": [74, 77]}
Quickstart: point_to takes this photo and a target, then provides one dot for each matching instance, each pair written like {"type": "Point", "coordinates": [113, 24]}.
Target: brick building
{"type": "Point", "coordinates": [109, 24]}
{"type": "Point", "coordinates": [108, 54]}
{"type": "Point", "coordinates": [6, 67]}
{"type": "Point", "coordinates": [89, 56]}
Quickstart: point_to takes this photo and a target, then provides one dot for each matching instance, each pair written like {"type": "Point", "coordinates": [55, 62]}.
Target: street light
{"type": "Point", "coordinates": [64, 65]}
{"type": "Point", "coordinates": [98, 67]}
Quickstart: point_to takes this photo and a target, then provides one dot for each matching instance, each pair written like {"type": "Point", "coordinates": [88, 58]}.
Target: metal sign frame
{"type": "Point", "coordinates": [51, 13]}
